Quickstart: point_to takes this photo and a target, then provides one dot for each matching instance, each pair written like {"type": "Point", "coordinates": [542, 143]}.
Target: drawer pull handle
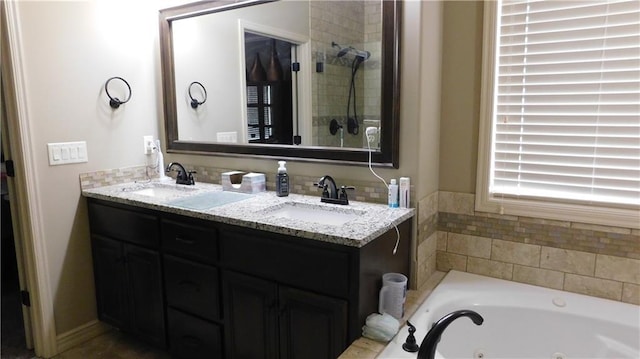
{"type": "Point", "coordinates": [191, 341]}
{"type": "Point", "coordinates": [185, 241]}
{"type": "Point", "coordinates": [188, 283]}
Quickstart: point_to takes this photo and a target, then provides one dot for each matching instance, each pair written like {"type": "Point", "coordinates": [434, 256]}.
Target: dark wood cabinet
{"type": "Point", "coordinates": [311, 325]}
{"type": "Point", "coordinates": [211, 290]}
{"type": "Point", "coordinates": [250, 310]}
{"type": "Point", "coordinates": [192, 338]}
{"type": "Point", "coordinates": [110, 278]}
{"type": "Point", "coordinates": [146, 304]}
{"type": "Point", "coordinates": [269, 320]}
{"type": "Point", "coordinates": [129, 288]}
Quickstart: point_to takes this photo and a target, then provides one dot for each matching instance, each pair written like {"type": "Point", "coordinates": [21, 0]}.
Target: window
{"type": "Point", "coordinates": [560, 121]}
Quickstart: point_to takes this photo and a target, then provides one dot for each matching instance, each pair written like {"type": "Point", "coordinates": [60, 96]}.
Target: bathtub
{"type": "Point", "coordinates": [522, 321]}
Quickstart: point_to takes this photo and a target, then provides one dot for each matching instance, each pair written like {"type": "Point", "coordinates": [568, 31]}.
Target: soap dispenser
{"type": "Point", "coordinates": [282, 180]}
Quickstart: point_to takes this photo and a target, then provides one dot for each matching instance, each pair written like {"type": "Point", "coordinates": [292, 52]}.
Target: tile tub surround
{"type": "Point", "coordinates": [594, 260]}
{"type": "Point", "coordinates": [253, 213]}
{"type": "Point", "coordinates": [427, 239]}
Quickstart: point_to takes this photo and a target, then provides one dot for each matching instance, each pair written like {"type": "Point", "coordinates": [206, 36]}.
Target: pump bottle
{"type": "Point", "coordinates": [282, 180]}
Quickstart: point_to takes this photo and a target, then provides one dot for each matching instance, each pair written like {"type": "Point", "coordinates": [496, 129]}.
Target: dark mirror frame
{"type": "Point", "coordinates": [387, 156]}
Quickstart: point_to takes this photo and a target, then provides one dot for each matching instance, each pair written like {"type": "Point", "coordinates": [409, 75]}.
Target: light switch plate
{"type": "Point", "coordinates": [62, 153]}
{"type": "Point", "coordinates": [227, 137]}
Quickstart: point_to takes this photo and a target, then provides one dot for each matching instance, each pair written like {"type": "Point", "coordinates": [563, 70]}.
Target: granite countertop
{"type": "Point", "coordinates": [209, 202]}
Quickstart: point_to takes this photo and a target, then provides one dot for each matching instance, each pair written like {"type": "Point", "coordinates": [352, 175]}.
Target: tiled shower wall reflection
{"type": "Point", "coordinates": [347, 23]}
{"type": "Point", "coordinates": [588, 259]}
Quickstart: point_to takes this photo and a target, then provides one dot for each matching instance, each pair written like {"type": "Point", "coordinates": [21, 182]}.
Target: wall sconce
{"type": "Point", "coordinates": [195, 103]}
{"type": "Point", "coordinates": [115, 102]}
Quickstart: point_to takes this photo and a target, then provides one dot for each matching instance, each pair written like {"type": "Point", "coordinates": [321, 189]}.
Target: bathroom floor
{"type": "Point", "coordinates": [112, 345]}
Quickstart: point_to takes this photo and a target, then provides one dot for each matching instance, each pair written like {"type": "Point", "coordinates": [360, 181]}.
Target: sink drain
{"type": "Point", "coordinates": [479, 354]}
{"type": "Point", "coordinates": [558, 355]}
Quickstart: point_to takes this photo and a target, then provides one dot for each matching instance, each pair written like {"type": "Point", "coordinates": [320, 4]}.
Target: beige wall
{"type": "Point", "coordinates": [69, 50]}
{"type": "Point", "coordinates": [461, 69]}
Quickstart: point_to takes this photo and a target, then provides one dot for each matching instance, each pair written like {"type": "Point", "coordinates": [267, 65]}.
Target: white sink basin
{"type": "Point", "coordinates": [160, 191]}
{"type": "Point", "coordinates": [319, 214]}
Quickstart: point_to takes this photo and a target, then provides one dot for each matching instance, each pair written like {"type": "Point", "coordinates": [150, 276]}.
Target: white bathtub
{"type": "Point", "coordinates": [522, 321]}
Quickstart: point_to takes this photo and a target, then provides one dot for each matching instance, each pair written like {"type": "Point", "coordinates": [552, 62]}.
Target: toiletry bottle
{"type": "Point", "coordinates": [160, 164]}
{"type": "Point", "coordinates": [282, 180]}
{"type": "Point", "coordinates": [393, 194]}
{"type": "Point", "coordinates": [405, 187]}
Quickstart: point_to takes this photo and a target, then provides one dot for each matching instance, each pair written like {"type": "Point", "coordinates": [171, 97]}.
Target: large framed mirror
{"type": "Point", "coordinates": [311, 80]}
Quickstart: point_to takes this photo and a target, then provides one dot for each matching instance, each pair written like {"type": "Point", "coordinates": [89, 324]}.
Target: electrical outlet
{"type": "Point", "coordinates": [148, 144]}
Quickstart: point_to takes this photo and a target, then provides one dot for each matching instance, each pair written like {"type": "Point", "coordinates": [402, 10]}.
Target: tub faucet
{"type": "Point", "coordinates": [183, 176]}
{"type": "Point", "coordinates": [428, 347]}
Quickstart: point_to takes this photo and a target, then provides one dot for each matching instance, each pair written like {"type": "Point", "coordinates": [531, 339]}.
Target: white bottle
{"type": "Point", "coordinates": [393, 194]}
{"type": "Point", "coordinates": [405, 188]}
{"type": "Point", "coordinates": [160, 164]}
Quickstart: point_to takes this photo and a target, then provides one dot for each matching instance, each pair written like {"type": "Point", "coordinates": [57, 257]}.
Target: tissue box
{"type": "Point", "coordinates": [244, 182]}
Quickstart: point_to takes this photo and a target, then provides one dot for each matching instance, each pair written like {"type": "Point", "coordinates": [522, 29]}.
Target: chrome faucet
{"type": "Point", "coordinates": [428, 346]}
{"type": "Point", "coordinates": [330, 191]}
{"type": "Point", "coordinates": [183, 176]}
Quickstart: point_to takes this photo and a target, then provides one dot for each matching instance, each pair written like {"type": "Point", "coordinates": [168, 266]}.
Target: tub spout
{"type": "Point", "coordinates": [428, 347]}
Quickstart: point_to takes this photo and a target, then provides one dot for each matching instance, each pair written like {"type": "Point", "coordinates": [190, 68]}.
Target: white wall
{"type": "Point", "coordinates": [217, 60]}
{"type": "Point", "coordinates": [70, 49]}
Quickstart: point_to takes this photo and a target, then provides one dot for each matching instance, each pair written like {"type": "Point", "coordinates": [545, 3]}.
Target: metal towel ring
{"type": "Point", "coordinates": [195, 103]}
{"type": "Point", "coordinates": [115, 102]}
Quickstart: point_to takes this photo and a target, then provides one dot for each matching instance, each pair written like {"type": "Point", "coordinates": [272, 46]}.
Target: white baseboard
{"type": "Point", "coordinates": [81, 334]}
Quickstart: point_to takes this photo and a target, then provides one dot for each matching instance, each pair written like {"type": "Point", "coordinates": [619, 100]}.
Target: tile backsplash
{"type": "Point", "coordinates": [114, 176]}
{"type": "Point", "coordinates": [365, 191]}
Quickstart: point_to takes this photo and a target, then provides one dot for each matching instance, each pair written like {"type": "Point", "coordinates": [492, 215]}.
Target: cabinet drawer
{"type": "Point", "coordinates": [191, 337]}
{"type": "Point", "coordinates": [192, 287]}
{"type": "Point", "coordinates": [300, 265]}
{"type": "Point", "coordinates": [191, 241]}
{"type": "Point", "coordinates": [122, 224]}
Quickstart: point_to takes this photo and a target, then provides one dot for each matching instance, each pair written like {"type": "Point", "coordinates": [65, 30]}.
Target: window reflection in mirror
{"type": "Point", "coordinates": [270, 104]}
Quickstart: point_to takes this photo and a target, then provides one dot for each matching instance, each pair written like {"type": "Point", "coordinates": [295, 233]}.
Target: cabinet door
{"type": "Point", "coordinates": [192, 287]}
{"type": "Point", "coordinates": [311, 325]}
{"type": "Point", "coordinates": [251, 316]}
{"type": "Point", "coordinates": [145, 294]}
{"type": "Point", "coordinates": [110, 281]}
{"type": "Point", "coordinates": [191, 337]}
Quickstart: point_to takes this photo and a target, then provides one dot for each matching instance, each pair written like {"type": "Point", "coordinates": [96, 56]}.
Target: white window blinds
{"type": "Point", "coordinates": [566, 121]}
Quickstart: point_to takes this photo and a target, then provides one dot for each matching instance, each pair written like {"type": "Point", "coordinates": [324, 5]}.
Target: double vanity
{"type": "Point", "coordinates": [209, 273]}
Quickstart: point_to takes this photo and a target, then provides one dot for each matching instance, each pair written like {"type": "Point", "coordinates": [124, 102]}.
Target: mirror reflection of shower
{"type": "Point", "coordinates": [359, 56]}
